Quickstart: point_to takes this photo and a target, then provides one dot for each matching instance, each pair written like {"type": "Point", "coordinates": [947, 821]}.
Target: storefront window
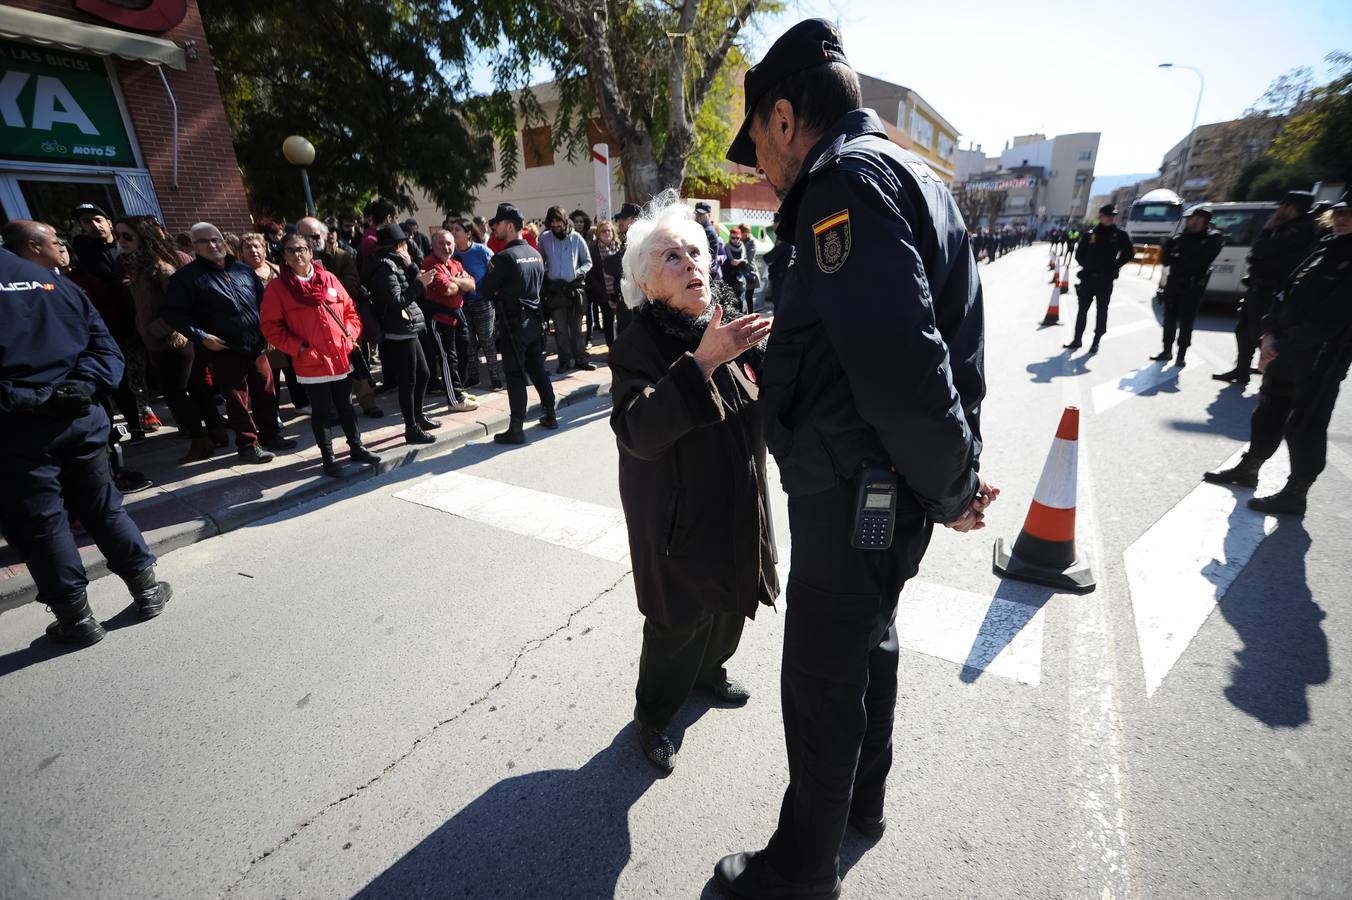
{"type": "Point", "coordinates": [52, 201]}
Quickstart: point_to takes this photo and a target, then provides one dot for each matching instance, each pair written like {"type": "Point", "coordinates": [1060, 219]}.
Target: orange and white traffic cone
{"type": "Point", "coordinates": [1056, 272]}
{"type": "Point", "coordinates": [1053, 316]}
{"type": "Point", "coordinates": [1044, 552]}
{"type": "Point", "coordinates": [1064, 283]}
{"type": "Point", "coordinates": [1051, 259]}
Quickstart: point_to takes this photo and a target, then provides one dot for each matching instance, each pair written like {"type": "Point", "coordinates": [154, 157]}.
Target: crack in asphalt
{"type": "Point", "coordinates": [529, 647]}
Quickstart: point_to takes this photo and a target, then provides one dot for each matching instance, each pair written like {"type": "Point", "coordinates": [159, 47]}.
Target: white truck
{"type": "Point", "coordinates": [1154, 216]}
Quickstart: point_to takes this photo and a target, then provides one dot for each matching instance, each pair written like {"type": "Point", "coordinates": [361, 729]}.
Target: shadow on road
{"type": "Point", "coordinates": [1062, 365]}
{"type": "Point", "coordinates": [1228, 415]}
{"type": "Point", "coordinates": [551, 834]}
{"type": "Point", "coordinates": [1285, 648]}
{"type": "Point", "coordinates": [1013, 606]}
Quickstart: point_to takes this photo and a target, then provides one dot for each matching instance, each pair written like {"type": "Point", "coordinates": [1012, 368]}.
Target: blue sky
{"type": "Point", "coordinates": [999, 69]}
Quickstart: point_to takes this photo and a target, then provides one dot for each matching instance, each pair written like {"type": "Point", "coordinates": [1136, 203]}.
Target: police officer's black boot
{"type": "Point", "coordinates": [75, 623]}
{"type": "Point", "coordinates": [1290, 500]}
{"type": "Point", "coordinates": [1093, 348]}
{"type": "Point", "coordinates": [1244, 473]}
{"type": "Point", "coordinates": [1182, 359]}
{"type": "Point", "coordinates": [149, 593]}
{"type": "Point", "coordinates": [1234, 376]}
{"type": "Point", "coordinates": [1165, 355]}
{"type": "Point", "coordinates": [515, 434]}
{"type": "Point", "coordinates": [357, 452]}
{"type": "Point", "coordinates": [549, 420]}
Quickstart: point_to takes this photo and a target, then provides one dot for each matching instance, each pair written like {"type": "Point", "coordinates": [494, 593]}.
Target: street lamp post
{"type": "Point", "coordinates": [301, 153]}
{"type": "Point", "coordinates": [1187, 148]}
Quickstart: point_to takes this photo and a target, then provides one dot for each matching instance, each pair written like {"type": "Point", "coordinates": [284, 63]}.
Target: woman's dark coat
{"type": "Point", "coordinates": [692, 479]}
{"type": "Point", "coordinates": [395, 292]}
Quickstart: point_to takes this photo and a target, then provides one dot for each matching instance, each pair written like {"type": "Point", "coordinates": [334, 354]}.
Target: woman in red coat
{"type": "Point", "coordinates": [308, 316]}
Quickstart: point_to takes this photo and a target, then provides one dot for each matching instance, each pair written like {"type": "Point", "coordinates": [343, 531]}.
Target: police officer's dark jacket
{"type": "Point", "coordinates": [395, 292]}
{"type": "Point", "coordinates": [1103, 251]}
{"type": "Point", "coordinates": [692, 475]}
{"type": "Point", "coordinates": [203, 298]}
{"type": "Point", "coordinates": [1190, 254]}
{"type": "Point", "coordinates": [49, 333]}
{"type": "Point", "coordinates": [1314, 307]}
{"type": "Point", "coordinates": [515, 275]}
{"type": "Point", "coordinates": [877, 350]}
{"type": "Point", "coordinates": [1278, 250]}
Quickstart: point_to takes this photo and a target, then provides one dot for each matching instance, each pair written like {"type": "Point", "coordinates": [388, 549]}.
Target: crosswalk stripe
{"type": "Point", "coordinates": [999, 635]}
{"type": "Point", "coordinates": [1182, 566]}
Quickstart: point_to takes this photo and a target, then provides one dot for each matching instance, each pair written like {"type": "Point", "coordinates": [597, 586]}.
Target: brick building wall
{"type": "Point", "coordinates": [209, 184]}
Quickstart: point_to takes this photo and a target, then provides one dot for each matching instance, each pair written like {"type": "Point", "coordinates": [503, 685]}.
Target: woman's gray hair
{"type": "Point", "coordinates": [665, 212]}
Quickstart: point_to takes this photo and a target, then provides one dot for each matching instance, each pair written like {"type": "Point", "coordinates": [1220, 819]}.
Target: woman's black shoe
{"type": "Point", "coordinates": [429, 424]}
{"type": "Point", "coordinates": [359, 454]}
{"type": "Point", "coordinates": [657, 747]}
{"type": "Point", "coordinates": [418, 436]}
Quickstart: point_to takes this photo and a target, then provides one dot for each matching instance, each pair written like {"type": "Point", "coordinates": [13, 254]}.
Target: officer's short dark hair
{"type": "Point", "coordinates": [819, 95]}
{"type": "Point", "coordinates": [17, 234]}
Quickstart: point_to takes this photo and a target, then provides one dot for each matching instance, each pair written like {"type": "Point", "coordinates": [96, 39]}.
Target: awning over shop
{"type": "Point", "coordinates": [25, 25]}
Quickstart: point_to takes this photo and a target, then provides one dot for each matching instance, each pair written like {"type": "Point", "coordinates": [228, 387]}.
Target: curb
{"type": "Point", "coordinates": [20, 589]}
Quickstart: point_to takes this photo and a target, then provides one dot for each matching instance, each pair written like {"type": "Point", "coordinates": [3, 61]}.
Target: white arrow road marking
{"type": "Point", "coordinates": [997, 635]}
{"type": "Point", "coordinates": [1182, 566]}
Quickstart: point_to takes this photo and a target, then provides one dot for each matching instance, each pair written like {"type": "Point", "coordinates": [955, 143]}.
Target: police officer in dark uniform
{"type": "Point", "coordinates": [872, 383]}
{"type": "Point", "coordinates": [55, 355]}
{"type": "Point", "coordinates": [513, 283]}
{"type": "Point", "coordinates": [1284, 241]}
{"type": "Point", "coordinates": [1188, 256]}
{"type": "Point", "coordinates": [1102, 254]}
{"type": "Point", "coordinates": [1306, 350]}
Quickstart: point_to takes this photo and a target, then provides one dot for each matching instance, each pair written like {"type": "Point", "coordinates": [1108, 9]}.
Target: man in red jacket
{"type": "Point", "coordinates": [445, 303]}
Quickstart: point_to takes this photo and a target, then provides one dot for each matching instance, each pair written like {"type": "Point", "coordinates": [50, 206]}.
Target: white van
{"type": "Point", "coordinates": [1154, 216]}
{"type": "Point", "coordinates": [1241, 224]}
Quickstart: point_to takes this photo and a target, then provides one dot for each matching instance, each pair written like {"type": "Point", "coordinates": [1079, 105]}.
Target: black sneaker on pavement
{"type": "Point", "coordinates": [254, 455]}
{"type": "Point", "coordinates": [130, 481]}
{"type": "Point", "coordinates": [277, 443]}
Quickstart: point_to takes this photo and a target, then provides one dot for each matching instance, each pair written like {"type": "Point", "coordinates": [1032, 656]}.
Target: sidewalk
{"type": "Point", "coordinates": [192, 502]}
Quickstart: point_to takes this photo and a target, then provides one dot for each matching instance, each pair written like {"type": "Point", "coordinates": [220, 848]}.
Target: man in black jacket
{"type": "Point", "coordinates": [873, 371]}
{"type": "Point", "coordinates": [1306, 352]}
{"type": "Point", "coordinates": [515, 276]}
{"type": "Point", "coordinates": [1102, 253]}
{"type": "Point", "coordinates": [55, 355]}
{"type": "Point", "coordinates": [1188, 257]}
{"type": "Point", "coordinates": [1284, 241]}
{"type": "Point", "coordinates": [215, 300]}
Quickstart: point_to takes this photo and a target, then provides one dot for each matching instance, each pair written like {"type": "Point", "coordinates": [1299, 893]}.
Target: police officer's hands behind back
{"type": "Point", "coordinates": [724, 343]}
{"type": "Point", "coordinates": [975, 517]}
{"type": "Point", "coordinates": [70, 399]}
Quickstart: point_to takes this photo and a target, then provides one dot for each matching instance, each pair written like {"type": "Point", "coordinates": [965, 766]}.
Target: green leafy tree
{"type": "Point", "coordinates": [1318, 135]}
{"type": "Point", "coordinates": [660, 76]}
{"type": "Point", "coordinates": [367, 83]}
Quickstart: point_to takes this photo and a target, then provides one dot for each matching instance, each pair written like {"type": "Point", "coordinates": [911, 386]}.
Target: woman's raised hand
{"type": "Point", "coordinates": [724, 343]}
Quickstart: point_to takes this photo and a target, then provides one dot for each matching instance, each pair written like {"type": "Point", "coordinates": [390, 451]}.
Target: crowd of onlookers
{"type": "Point", "coordinates": [221, 326]}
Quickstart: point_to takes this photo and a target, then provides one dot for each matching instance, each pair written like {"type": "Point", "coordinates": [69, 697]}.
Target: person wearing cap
{"type": "Point", "coordinates": [704, 216]}
{"type": "Point", "coordinates": [397, 285]}
{"type": "Point", "coordinates": [55, 357]}
{"type": "Point", "coordinates": [873, 375]}
{"type": "Point", "coordinates": [513, 282]}
{"type": "Point", "coordinates": [629, 214]}
{"type": "Point", "coordinates": [1305, 354]}
{"type": "Point", "coordinates": [1187, 256]}
{"type": "Point", "coordinates": [1284, 241]}
{"type": "Point", "coordinates": [1101, 254]}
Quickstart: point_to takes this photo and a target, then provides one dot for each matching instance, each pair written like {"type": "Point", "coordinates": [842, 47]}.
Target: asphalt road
{"type": "Point", "coordinates": [395, 696]}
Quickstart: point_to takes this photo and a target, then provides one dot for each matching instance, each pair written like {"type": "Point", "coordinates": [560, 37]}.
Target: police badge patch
{"type": "Point", "coordinates": [832, 239]}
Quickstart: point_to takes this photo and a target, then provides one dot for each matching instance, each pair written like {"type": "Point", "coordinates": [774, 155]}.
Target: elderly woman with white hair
{"type": "Point", "coordinates": [692, 468]}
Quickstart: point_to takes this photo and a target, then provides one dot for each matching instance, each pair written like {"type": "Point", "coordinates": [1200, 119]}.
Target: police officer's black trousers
{"type": "Point", "coordinates": [522, 347]}
{"type": "Point", "coordinates": [1296, 402]}
{"type": "Point", "coordinates": [49, 466]}
{"type": "Point", "coordinates": [1180, 312]}
{"type": "Point", "coordinates": [838, 680]}
{"type": "Point", "coordinates": [1249, 325]}
{"type": "Point", "coordinates": [676, 658]}
{"type": "Point", "coordinates": [1092, 289]}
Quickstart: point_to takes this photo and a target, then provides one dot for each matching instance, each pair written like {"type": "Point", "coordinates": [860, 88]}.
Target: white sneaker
{"type": "Point", "coordinates": [469, 404]}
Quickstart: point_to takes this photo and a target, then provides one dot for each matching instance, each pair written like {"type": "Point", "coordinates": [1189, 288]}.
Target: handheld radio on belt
{"type": "Point", "coordinates": [875, 511]}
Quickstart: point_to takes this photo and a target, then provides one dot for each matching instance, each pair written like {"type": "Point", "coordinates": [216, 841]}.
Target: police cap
{"type": "Point", "coordinates": [1199, 211]}
{"type": "Point", "coordinates": [1342, 202]}
{"type": "Point", "coordinates": [1107, 209]}
{"type": "Point", "coordinates": [507, 213]}
{"type": "Point", "coordinates": [703, 207]}
{"type": "Point", "coordinates": [629, 211]}
{"type": "Point", "coordinates": [1302, 200]}
{"type": "Point", "coordinates": [810, 43]}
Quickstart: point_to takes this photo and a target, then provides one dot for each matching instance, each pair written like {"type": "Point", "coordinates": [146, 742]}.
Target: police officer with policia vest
{"type": "Point", "coordinates": [1188, 257]}
{"type": "Point", "coordinates": [1102, 254]}
{"type": "Point", "coordinates": [55, 356]}
{"type": "Point", "coordinates": [872, 384]}
{"type": "Point", "coordinates": [512, 283]}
